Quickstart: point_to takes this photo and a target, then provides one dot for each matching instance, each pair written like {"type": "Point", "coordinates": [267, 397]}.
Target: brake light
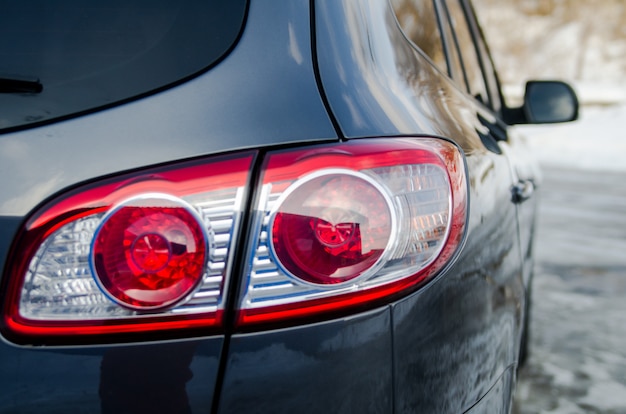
{"type": "Point", "coordinates": [148, 252]}
{"type": "Point", "coordinates": [332, 227]}
{"type": "Point", "coordinates": [349, 226]}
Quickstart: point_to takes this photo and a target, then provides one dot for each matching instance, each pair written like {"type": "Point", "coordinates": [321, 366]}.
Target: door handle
{"type": "Point", "coordinates": [497, 128]}
{"type": "Point", "coordinates": [522, 191]}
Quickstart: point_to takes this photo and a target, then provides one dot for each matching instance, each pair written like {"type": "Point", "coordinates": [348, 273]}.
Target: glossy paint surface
{"type": "Point", "coordinates": [157, 378]}
{"type": "Point", "coordinates": [337, 366]}
{"type": "Point", "coordinates": [455, 338]}
{"type": "Point", "coordinates": [379, 84]}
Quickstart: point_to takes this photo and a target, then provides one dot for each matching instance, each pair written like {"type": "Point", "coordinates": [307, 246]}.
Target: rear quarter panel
{"type": "Point", "coordinates": [457, 337]}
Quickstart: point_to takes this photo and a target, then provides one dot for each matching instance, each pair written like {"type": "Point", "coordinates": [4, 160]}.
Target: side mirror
{"type": "Point", "coordinates": [547, 102]}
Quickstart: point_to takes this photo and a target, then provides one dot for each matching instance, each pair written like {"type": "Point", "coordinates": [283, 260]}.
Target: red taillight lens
{"type": "Point", "coordinates": [150, 252]}
{"type": "Point", "coordinates": [349, 226]}
{"type": "Point", "coordinates": [145, 253]}
{"type": "Point", "coordinates": [332, 227]}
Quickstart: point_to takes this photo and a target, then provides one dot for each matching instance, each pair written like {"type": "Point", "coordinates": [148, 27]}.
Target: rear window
{"type": "Point", "coordinates": [63, 57]}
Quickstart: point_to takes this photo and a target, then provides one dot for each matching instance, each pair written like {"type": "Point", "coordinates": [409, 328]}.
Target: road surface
{"type": "Point", "coordinates": [578, 326]}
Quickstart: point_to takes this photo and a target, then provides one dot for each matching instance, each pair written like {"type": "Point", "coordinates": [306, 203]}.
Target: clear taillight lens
{"type": "Point", "coordinates": [143, 253]}
{"type": "Point", "coordinates": [350, 225]}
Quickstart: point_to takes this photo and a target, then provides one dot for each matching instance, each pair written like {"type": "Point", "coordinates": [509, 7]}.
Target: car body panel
{"type": "Point", "coordinates": [526, 172]}
{"type": "Point", "coordinates": [158, 378]}
{"type": "Point", "coordinates": [458, 335]}
{"type": "Point", "coordinates": [385, 86]}
{"type": "Point", "coordinates": [498, 398]}
{"type": "Point", "coordinates": [343, 365]}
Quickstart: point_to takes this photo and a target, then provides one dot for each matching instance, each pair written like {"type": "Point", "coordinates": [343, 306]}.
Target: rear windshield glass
{"type": "Point", "coordinates": [62, 57]}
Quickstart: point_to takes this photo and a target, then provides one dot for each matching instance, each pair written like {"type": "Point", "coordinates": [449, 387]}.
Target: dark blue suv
{"type": "Point", "coordinates": [261, 206]}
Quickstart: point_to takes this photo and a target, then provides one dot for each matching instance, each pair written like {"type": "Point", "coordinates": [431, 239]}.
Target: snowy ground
{"type": "Point", "coordinates": [597, 141]}
{"type": "Point", "coordinates": [578, 333]}
{"type": "Point", "coordinates": [578, 319]}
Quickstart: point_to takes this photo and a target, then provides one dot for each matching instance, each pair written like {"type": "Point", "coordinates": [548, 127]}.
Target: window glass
{"type": "Point", "coordinates": [418, 19]}
{"type": "Point", "coordinates": [454, 60]}
{"type": "Point", "coordinates": [91, 53]}
{"type": "Point", "coordinates": [488, 68]}
{"type": "Point", "coordinates": [471, 62]}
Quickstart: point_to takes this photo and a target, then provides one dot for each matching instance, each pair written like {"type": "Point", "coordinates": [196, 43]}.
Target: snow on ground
{"type": "Point", "coordinates": [597, 141]}
{"type": "Point", "coordinates": [578, 318]}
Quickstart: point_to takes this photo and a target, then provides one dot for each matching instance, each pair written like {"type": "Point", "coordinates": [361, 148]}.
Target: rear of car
{"type": "Point", "coordinates": [262, 206]}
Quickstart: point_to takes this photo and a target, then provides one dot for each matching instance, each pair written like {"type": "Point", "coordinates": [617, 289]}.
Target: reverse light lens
{"type": "Point", "coordinates": [150, 252]}
{"type": "Point", "coordinates": [332, 227]}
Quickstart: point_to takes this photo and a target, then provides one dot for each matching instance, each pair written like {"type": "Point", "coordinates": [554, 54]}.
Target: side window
{"type": "Point", "coordinates": [488, 68]}
{"type": "Point", "coordinates": [470, 60]}
{"type": "Point", "coordinates": [418, 20]}
{"type": "Point", "coordinates": [452, 47]}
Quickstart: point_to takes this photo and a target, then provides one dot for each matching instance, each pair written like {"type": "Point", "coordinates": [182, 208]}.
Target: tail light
{"type": "Point", "coordinates": [334, 229]}
{"type": "Point", "coordinates": [351, 226]}
{"type": "Point", "coordinates": [144, 253]}
{"type": "Point", "coordinates": [149, 252]}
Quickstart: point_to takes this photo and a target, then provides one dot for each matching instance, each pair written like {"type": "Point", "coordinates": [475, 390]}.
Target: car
{"type": "Point", "coordinates": [252, 206]}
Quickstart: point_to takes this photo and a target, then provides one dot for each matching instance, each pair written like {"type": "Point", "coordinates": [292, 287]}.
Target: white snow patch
{"type": "Point", "coordinates": [606, 396]}
{"type": "Point", "coordinates": [597, 141]}
{"type": "Point", "coordinates": [561, 376]}
{"type": "Point", "coordinates": [565, 406]}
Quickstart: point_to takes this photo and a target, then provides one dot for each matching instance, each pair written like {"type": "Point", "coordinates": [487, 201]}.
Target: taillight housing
{"type": "Point", "coordinates": [349, 226]}
{"type": "Point", "coordinates": [144, 253]}
{"type": "Point", "coordinates": [333, 229]}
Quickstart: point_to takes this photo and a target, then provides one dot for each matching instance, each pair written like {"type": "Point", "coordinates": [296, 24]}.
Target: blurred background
{"type": "Point", "coordinates": [578, 40]}
{"type": "Point", "coordinates": [578, 317]}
